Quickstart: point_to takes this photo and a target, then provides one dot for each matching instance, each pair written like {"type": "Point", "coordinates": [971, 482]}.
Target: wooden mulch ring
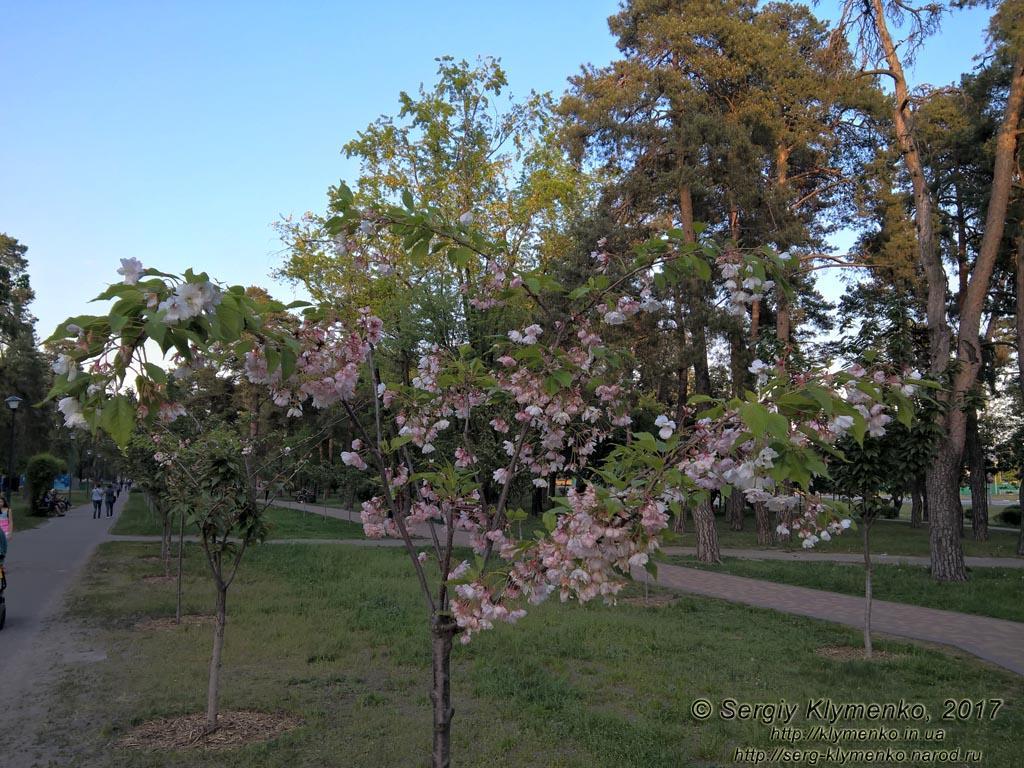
{"type": "Point", "coordinates": [159, 579]}
{"type": "Point", "coordinates": [234, 729]}
{"type": "Point", "coordinates": [846, 653]}
{"type": "Point", "coordinates": [169, 623]}
{"type": "Point", "coordinates": [649, 602]}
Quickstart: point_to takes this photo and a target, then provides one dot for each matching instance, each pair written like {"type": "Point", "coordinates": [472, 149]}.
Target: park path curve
{"type": "Point", "coordinates": [995, 640]}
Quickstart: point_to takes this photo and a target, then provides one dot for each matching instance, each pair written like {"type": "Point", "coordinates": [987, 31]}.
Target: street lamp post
{"type": "Point", "coordinates": [12, 402]}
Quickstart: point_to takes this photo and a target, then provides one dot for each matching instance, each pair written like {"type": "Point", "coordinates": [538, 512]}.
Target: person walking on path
{"type": "Point", "coordinates": [110, 496]}
{"type": "Point", "coordinates": [97, 501]}
{"type": "Point", "coordinates": [6, 523]}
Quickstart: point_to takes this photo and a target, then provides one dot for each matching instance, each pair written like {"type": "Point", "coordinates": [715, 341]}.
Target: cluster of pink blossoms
{"type": "Point", "coordinates": [326, 367]}
{"type": "Point", "coordinates": [596, 542]}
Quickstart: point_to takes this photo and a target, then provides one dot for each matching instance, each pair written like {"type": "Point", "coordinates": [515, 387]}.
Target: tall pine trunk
{"type": "Point", "coordinates": [979, 479]}
{"type": "Point", "coordinates": [945, 512]}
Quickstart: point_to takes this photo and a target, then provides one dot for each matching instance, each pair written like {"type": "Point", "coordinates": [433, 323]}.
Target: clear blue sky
{"type": "Point", "coordinates": [177, 132]}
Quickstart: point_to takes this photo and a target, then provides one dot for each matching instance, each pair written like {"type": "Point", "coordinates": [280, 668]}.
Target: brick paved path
{"type": "Point", "coordinates": [995, 640]}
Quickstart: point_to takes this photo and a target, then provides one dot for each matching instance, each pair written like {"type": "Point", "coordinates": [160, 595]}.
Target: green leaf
{"type": "Point", "coordinates": [778, 426]}
{"type": "Point", "coordinates": [231, 321]}
{"type": "Point", "coordinates": [156, 373]}
{"type": "Point", "coordinates": [550, 521]}
{"type": "Point", "coordinates": [273, 359]}
{"type": "Point", "coordinates": [418, 253]}
{"type": "Point", "coordinates": [407, 200]}
{"type": "Point", "coordinates": [118, 419]}
{"type": "Point", "coordinates": [118, 290]}
{"type": "Point", "coordinates": [755, 416]}
{"type": "Point", "coordinates": [695, 399]}
{"type": "Point", "coordinates": [564, 377]}
{"type": "Point", "coordinates": [461, 256]}
{"type": "Point", "coordinates": [288, 360]}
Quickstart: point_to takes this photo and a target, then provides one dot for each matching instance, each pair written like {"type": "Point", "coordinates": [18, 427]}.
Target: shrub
{"type": "Point", "coordinates": [889, 512]}
{"type": "Point", "coordinates": [1010, 515]}
{"type": "Point", "coordinates": [42, 469]}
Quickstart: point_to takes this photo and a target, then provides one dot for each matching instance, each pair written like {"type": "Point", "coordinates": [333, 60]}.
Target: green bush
{"type": "Point", "coordinates": [42, 470]}
{"type": "Point", "coordinates": [1010, 515]}
{"type": "Point", "coordinates": [889, 512]}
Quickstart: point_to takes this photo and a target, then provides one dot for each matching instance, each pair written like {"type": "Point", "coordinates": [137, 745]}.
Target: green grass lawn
{"type": "Point", "coordinates": [337, 635]}
{"type": "Point", "coordinates": [995, 592]}
{"type": "Point", "coordinates": [889, 537]}
{"type": "Point", "coordinates": [137, 520]}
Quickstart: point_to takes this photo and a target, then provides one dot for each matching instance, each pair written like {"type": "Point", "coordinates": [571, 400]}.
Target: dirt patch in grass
{"type": "Point", "coordinates": [654, 601]}
{"type": "Point", "coordinates": [159, 579]}
{"type": "Point", "coordinates": [156, 625]}
{"type": "Point", "coordinates": [234, 729]}
{"type": "Point", "coordinates": [846, 653]}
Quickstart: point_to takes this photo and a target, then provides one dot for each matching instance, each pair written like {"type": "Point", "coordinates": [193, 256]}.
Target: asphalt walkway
{"type": "Point", "coordinates": [42, 564]}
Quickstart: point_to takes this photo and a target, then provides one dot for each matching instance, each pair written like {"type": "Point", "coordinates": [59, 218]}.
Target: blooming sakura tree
{"type": "Point", "coordinates": [550, 391]}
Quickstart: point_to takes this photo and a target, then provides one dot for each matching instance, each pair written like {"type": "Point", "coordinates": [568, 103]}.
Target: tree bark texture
{"type": "Point", "coordinates": [737, 506]}
{"type": "Point", "coordinates": [765, 532]}
{"type": "Point", "coordinates": [442, 632]}
{"type": "Point", "coordinates": [944, 508]}
{"type": "Point", "coordinates": [706, 533]}
{"type": "Point", "coordinates": [979, 479]}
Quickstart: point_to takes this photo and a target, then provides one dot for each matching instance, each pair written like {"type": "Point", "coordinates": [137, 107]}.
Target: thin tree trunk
{"type": "Point", "coordinates": [867, 585]}
{"type": "Point", "coordinates": [165, 539]}
{"type": "Point", "coordinates": [213, 691]}
{"type": "Point", "coordinates": [181, 565]}
{"type": "Point", "coordinates": [442, 631]}
{"type": "Point", "coordinates": [917, 503]}
{"type": "Point", "coordinates": [706, 533]}
{"type": "Point", "coordinates": [680, 523]}
{"type": "Point", "coordinates": [979, 479]}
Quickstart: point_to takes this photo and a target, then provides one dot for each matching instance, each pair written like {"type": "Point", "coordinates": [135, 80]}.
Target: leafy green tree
{"type": "Point", "coordinates": [472, 155]}
{"type": "Point", "coordinates": [42, 470]}
{"type": "Point", "coordinates": [15, 290]}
